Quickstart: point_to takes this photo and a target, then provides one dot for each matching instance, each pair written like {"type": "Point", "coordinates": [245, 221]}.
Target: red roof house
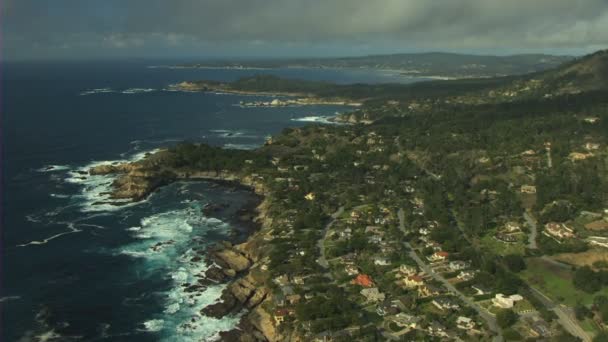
{"type": "Point", "coordinates": [363, 280]}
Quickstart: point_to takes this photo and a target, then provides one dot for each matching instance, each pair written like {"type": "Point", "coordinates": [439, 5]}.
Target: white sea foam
{"type": "Point", "coordinates": [96, 189]}
{"type": "Point", "coordinates": [137, 90]}
{"type": "Point", "coordinates": [53, 168]}
{"type": "Point", "coordinates": [153, 325]}
{"type": "Point", "coordinates": [165, 243]}
{"type": "Point", "coordinates": [317, 119]}
{"type": "Point", "coordinates": [8, 298]}
{"type": "Point", "coordinates": [228, 133]}
{"type": "Point", "coordinates": [72, 230]}
{"type": "Point", "coordinates": [97, 91]}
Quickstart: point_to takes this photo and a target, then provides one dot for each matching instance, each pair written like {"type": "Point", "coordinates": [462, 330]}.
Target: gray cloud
{"type": "Point", "coordinates": [131, 27]}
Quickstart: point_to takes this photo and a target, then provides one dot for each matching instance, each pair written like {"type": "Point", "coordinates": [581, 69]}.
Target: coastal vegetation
{"type": "Point", "coordinates": [441, 210]}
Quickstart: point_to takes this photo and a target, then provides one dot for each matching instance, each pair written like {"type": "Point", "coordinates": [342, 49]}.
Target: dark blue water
{"type": "Point", "coordinates": [87, 272]}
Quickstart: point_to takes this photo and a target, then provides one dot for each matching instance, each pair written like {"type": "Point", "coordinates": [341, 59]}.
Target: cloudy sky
{"type": "Point", "coordinates": [245, 28]}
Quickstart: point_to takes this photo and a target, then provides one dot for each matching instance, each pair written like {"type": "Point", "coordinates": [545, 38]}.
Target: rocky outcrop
{"type": "Point", "coordinates": [232, 259]}
{"type": "Point", "coordinates": [242, 293]}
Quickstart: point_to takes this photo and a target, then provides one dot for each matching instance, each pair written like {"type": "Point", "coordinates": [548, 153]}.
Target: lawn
{"type": "Point", "coordinates": [556, 282]}
{"type": "Point", "coordinates": [589, 326]}
{"type": "Point", "coordinates": [503, 248]}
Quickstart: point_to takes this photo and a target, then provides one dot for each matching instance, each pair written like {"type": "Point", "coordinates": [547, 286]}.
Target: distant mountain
{"type": "Point", "coordinates": [582, 75]}
{"type": "Point", "coordinates": [434, 64]}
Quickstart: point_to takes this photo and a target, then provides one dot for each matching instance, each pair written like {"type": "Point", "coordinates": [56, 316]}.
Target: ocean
{"type": "Point", "coordinates": [76, 270]}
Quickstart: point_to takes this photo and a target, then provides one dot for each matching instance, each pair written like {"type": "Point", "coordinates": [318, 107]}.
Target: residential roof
{"type": "Point", "coordinates": [363, 280]}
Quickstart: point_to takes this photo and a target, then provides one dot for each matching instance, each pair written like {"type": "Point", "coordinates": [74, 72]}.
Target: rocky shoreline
{"type": "Point", "coordinates": [232, 264]}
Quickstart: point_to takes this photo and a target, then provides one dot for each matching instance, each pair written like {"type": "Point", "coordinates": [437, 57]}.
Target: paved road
{"type": "Point", "coordinates": [564, 315]}
{"type": "Point", "coordinates": [321, 243]}
{"type": "Point", "coordinates": [533, 230]}
{"type": "Point", "coordinates": [490, 320]}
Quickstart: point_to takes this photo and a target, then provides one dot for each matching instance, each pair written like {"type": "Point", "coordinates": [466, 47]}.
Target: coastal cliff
{"type": "Point", "coordinates": [235, 264]}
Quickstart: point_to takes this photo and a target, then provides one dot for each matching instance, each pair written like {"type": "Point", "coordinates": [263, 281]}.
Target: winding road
{"type": "Point", "coordinates": [490, 320]}
{"type": "Point", "coordinates": [321, 243]}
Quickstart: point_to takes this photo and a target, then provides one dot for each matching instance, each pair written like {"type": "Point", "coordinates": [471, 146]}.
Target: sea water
{"type": "Point", "coordinates": [74, 269]}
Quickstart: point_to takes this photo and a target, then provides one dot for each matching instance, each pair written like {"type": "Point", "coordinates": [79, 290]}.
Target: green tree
{"type": "Point", "coordinates": [506, 318]}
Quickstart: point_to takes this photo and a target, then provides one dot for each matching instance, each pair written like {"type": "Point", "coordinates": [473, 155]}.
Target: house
{"type": "Point", "coordinates": [381, 262]}
{"type": "Point", "coordinates": [436, 329]}
{"type": "Point", "coordinates": [373, 295]}
{"type": "Point", "coordinates": [424, 231]}
{"type": "Point", "coordinates": [481, 290]}
{"type": "Point", "coordinates": [465, 323]}
{"type": "Point", "coordinates": [591, 120]}
{"type": "Point", "coordinates": [438, 256]}
{"type": "Point", "coordinates": [310, 196]}
{"type": "Point", "coordinates": [466, 275]}
{"type": "Point", "coordinates": [408, 270]}
{"type": "Point", "coordinates": [293, 299]}
{"type": "Point", "coordinates": [558, 230]}
{"type": "Point", "coordinates": [540, 328]}
{"type": "Point", "coordinates": [458, 265]}
{"type": "Point", "coordinates": [363, 280]}
{"type": "Point", "coordinates": [576, 156]}
{"type": "Point", "coordinates": [387, 308]}
{"type": "Point", "coordinates": [413, 281]}
{"type": "Point", "coordinates": [406, 321]}
{"type": "Point", "coordinates": [351, 270]}
{"type": "Point", "coordinates": [425, 291]}
{"type": "Point", "coordinates": [346, 233]}
{"type": "Point", "coordinates": [298, 280]}
{"type": "Point", "coordinates": [504, 302]}
{"type": "Point", "coordinates": [375, 239]}
{"type": "Point", "coordinates": [281, 314]}
{"type": "Point", "coordinates": [445, 304]}
{"type": "Point", "coordinates": [512, 227]}
{"type": "Point", "coordinates": [281, 280]}
{"type": "Point", "coordinates": [528, 189]}
{"type": "Point", "coordinates": [528, 153]}
{"type": "Point", "coordinates": [508, 238]}
{"type": "Point", "coordinates": [374, 230]}
{"type": "Point", "coordinates": [591, 146]}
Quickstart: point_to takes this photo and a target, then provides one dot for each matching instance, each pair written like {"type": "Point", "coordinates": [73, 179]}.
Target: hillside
{"type": "Point", "coordinates": [586, 74]}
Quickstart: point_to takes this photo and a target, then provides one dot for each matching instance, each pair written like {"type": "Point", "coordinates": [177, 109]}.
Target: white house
{"type": "Point", "coordinates": [504, 302]}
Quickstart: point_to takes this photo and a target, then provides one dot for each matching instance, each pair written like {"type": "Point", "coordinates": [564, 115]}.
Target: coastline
{"type": "Point", "coordinates": [302, 99]}
{"type": "Point", "coordinates": [233, 262]}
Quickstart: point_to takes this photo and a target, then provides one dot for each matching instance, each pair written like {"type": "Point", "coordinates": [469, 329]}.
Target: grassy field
{"type": "Point", "coordinates": [584, 259]}
{"type": "Point", "coordinates": [556, 282]}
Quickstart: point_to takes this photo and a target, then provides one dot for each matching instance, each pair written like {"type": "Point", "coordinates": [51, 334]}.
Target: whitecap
{"type": "Point", "coordinates": [153, 325]}
{"type": "Point", "coordinates": [9, 298]}
{"type": "Point", "coordinates": [53, 168]}
{"type": "Point", "coordinates": [316, 119]}
{"type": "Point", "coordinates": [96, 189]}
{"type": "Point", "coordinates": [137, 90]}
{"type": "Point", "coordinates": [96, 91]}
